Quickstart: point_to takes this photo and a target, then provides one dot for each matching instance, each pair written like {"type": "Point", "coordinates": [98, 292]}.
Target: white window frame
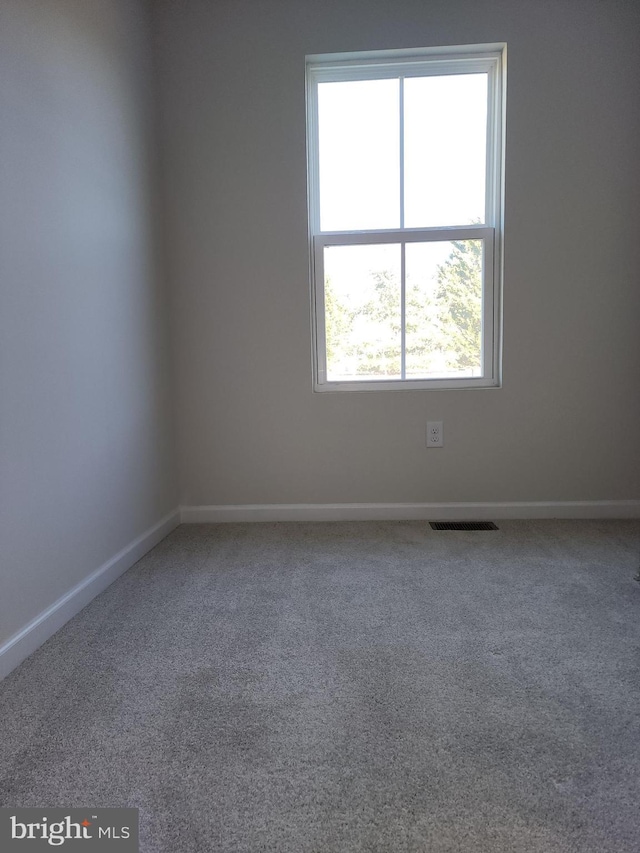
{"type": "Point", "coordinates": [462, 59]}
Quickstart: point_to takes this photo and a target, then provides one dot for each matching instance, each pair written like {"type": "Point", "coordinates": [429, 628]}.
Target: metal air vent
{"type": "Point", "coordinates": [463, 525]}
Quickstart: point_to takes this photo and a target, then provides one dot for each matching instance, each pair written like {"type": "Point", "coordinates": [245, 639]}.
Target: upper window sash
{"type": "Point", "coordinates": [428, 62]}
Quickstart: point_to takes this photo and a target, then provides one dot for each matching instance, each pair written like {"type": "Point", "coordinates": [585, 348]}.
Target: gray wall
{"type": "Point", "coordinates": [85, 433]}
{"type": "Point", "coordinates": [565, 426]}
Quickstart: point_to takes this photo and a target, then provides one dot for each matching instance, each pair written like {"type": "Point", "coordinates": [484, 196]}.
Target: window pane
{"type": "Point", "coordinates": [445, 145]}
{"type": "Point", "coordinates": [362, 312]}
{"type": "Point", "coordinates": [359, 152]}
{"type": "Point", "coordinates": [443, 310]}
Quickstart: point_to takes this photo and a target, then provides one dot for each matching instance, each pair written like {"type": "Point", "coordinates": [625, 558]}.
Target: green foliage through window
{"type": "Point", "coordinates": [443, 319]}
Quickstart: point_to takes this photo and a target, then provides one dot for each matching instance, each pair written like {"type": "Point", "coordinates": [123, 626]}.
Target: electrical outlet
{"type": "Point", "coordinates": [435, 435]}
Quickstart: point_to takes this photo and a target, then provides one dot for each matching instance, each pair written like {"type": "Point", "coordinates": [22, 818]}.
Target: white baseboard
{"type": "Point", "coordinates": [33, 635]}
{"type": "Point", "coordinates": [411, 511]}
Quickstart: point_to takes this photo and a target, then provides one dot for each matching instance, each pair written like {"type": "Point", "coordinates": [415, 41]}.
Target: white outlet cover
{"type": "Point", "coordinates": [435, 434]}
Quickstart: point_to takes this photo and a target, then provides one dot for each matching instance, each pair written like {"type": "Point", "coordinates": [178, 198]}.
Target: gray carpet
{"type": "Point", "coordinates": [309, 688]}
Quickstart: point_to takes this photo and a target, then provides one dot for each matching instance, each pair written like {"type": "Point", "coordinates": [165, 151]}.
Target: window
{"type": "Point", "coordinates": [405, 156]}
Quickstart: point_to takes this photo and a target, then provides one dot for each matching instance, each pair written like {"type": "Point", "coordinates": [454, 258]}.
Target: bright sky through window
{"type": "Point", "coordinates": [445, 127]}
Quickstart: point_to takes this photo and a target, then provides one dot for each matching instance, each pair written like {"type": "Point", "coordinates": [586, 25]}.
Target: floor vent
{"type": "Point", "coordinates": [463, 525]}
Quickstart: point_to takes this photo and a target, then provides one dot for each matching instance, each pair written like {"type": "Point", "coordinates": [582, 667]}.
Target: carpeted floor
{"type": "Point", "coordinates": [335, 688]}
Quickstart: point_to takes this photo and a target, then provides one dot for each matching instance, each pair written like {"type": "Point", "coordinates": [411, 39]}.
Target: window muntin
{"type": "Point", "coordinates": [405, 193]}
